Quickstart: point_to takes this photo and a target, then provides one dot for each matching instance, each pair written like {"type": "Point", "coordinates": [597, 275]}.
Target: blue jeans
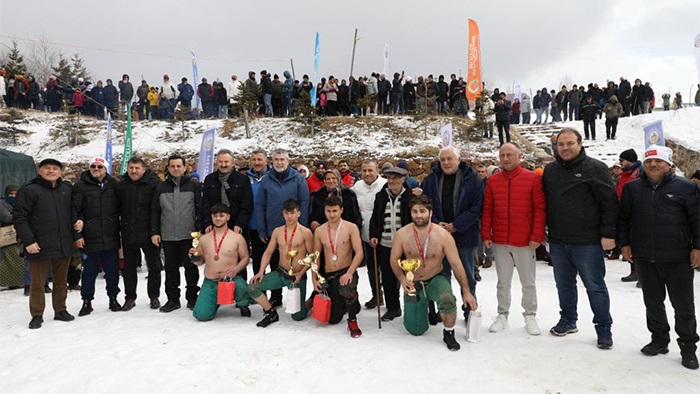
{"type": "Point", "coordinates": [587, 261]}
{"type": "Point", "coordinates": [466, 255]}
{"type": "Point", "coordinates": [573, 111]}
{"type": "Point", "coordinates": [110, 265]}
{"type": "Point", "coordinates": [267, 98]}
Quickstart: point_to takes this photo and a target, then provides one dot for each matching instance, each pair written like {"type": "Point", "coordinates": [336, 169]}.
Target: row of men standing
{"type": "Point", "coordinates": [575, 185]}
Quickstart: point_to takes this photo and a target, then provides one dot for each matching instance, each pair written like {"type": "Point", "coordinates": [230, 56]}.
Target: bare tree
{"type": "Point", "coordinates": [41, 56]}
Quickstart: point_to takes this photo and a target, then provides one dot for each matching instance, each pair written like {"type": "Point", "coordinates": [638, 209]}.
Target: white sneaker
{"type": "Point", "coordinates": [499, 324]}
{"type": "Point", "coordinates": [531, 325]}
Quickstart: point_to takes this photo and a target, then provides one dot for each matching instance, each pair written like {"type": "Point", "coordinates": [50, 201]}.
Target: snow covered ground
{"type": "Point", "coordinates": [148, 351]}
{"type": "Point", "coordinates": [46, 134]}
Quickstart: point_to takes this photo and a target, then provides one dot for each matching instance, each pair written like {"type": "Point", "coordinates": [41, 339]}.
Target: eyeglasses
{"type": "Point", "coordinates": [95, 166]}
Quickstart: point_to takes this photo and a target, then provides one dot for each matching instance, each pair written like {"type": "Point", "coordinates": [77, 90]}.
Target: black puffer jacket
{"type": "Point", "coordinates": [42, 215]}
{"type": "Point", "coordinates": [660, 222]}
{"type": "Point", "coordinates": [376, 224]}
{"type": "Point", "coordinates": [240, 198]}
{"type": "Point", "coordinates": [582, 203]}
{"type": "Point", "coordinates": [135, 209]}
{"type": "Point", "coordinates": [96, 205]}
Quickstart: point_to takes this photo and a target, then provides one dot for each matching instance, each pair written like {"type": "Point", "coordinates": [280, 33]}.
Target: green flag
{"type": "Point", "coordinates": [127, 142]}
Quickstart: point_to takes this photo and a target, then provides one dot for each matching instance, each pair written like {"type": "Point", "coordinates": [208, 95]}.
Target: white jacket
{"type": "Point", "coordinates": [233, 89]}
{"type": "Point", "coordinates": [169, 90]}
{"type": "Point", "coordinates": [372, 86]}
{"type": "Point", "coordinates": [365, 199]}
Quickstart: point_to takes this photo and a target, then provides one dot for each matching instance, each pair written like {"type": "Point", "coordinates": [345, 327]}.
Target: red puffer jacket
{"type": "Point", "coordinates": [514, 208]}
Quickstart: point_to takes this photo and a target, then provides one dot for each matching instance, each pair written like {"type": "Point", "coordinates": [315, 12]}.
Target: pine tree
{"type": "Point", "coordinates": [79, 70]}
{"type": "Point", "coordinates": [63, 71]}
{"type": "Point", "coordinates": [15, 62]}
{"type": "Point", "coordinates": [303, 111]}
{"type": "Point", "coordinates": [247, 104]}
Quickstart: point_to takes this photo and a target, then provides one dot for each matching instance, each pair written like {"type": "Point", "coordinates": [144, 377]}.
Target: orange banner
{"type": "Point", "coordinates": [474, 84]}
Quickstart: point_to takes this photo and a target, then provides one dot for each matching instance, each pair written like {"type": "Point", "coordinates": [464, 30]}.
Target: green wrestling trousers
{"type": "Point", "coordinates": [206, 306]}
{"type": "Point", "coordinates": [273, 281]}
{"type": "Point", "coordinates": [438, 289]}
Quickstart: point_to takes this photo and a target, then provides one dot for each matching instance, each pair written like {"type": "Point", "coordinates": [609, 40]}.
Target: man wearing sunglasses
{"type": "Point", "coordinates": [95, 212]}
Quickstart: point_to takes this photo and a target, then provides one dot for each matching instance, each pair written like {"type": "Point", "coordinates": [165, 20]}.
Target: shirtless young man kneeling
{"type": "Point", "coordinates": [430, 244]}
{"type": "Point", "coordinates": [339, 239]}
{"type": "Point", "coordinates": [226, 255]}
{"type": "Point", "coordinates": [290, 237]}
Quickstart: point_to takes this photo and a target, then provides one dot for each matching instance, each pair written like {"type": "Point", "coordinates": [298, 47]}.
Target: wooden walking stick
{"type": "Point", "coordinates": [376, 287]}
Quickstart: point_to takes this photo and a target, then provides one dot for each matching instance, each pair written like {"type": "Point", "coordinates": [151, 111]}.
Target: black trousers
{"type": "Point", "coordinates": [503, 126]}
{"type": "Point", "coordinates": [131, 260]}
{"type": "Point", "coordinates": [176, 255]}
{"type": "Point", "coordinates": [589, 124]}
{"type": "Point", "coordinates": [610, 128]}
{"type": "Point", "coordinates": [677, 279]}
{"type": "Point", "coordinates": [390, 284]}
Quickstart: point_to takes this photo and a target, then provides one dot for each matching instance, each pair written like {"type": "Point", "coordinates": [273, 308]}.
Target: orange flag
{"type": "Point", "coordinates": [473, 63]}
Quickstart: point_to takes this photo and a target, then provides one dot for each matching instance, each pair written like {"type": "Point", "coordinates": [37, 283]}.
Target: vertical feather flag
{"type": "Point", "coordinates": [127, 143]}
{"type": "Point", "coordinates": [474, 81]}
{"type": "Point", "coordinates": [315, 80]}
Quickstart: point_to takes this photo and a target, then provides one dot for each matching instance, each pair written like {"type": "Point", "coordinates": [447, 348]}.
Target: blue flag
{"type": "Point", "coordinates": [108, 146]}
{"type": "Point", "coordinates": [195, 75]}
{"type": "Point", "coordinates": [315, 80]}
{"type": "Point", "coordinates": [206, 154]}
{"type": "Point", "coordinates": [654, 134]}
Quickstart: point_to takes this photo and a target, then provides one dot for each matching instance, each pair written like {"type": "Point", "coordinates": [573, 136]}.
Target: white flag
{"type": "Point", "coordinates": [446, 132]}
{"type": "Point", "coordinates": [386, 60]}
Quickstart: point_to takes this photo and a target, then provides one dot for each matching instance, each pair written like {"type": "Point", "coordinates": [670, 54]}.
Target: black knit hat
{"type": "Point", "coordinates": [629, 155]}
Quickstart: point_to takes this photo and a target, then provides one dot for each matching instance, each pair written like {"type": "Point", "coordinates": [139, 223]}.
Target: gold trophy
{"type": "Point", "coordinates": [311, 261]}
{"type": "Point", "coordinates": [291, 254]}
{"type": "Point", "coordinates": [409, 266]}
{"type": "Point", "coordinates": [195, 243]}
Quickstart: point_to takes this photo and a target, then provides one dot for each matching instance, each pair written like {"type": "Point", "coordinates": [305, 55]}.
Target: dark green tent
{"type": "Point", "coordinates": [15, 169]}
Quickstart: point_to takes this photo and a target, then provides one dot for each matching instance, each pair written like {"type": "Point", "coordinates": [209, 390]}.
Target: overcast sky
{"type": "Point", "coordinates": [534, 43]}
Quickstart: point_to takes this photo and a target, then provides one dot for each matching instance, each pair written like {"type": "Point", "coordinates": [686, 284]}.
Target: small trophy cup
{"type": "Point", "coordinates": [311, 261]}
{"type": "Point", "coordinates": [291, 254]}
{"type": "Point", "coordinates": [195, 243]}
{"type": "Point", "coordinates": [409, 266]}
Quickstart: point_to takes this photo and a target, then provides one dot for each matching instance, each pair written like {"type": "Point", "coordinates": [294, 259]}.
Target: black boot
{"type": "Point", "coordinates": [632, 277]}
{"type": "Point", "coordinates": [170, 306]}
{"type": "Point", "coordinates": [688, 357]}
{"type": "Point", "coordinates": [689, 360]}
{"type": "Point", "coordinates": [433, 317]}
{"type": "Point", "coordinates": [271, 316]}
{"type": "Point", "coordinates": [38, 320]}
{"type": "Point", "coordinates": [245, 311]}
{"type": "Point", "coordinates": [86, 309]}
{"type": "Point", "coordinates": [114, 305]}
{"type": "Point", "coordinates": [47, 289]}
{"type": "Point", "coordinates": [26, 291]}
{"type": "Point", "coordinates": [449, 338]}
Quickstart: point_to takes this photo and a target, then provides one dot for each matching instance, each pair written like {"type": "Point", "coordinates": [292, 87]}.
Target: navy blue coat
{"type": "Point", "coordinates": [660, 223]}
{"type": "Point", "coordinates": [469, 203]}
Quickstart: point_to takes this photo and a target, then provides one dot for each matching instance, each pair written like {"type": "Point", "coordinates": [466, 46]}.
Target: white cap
{"type": "Point", "coordinates": [659, 152]}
